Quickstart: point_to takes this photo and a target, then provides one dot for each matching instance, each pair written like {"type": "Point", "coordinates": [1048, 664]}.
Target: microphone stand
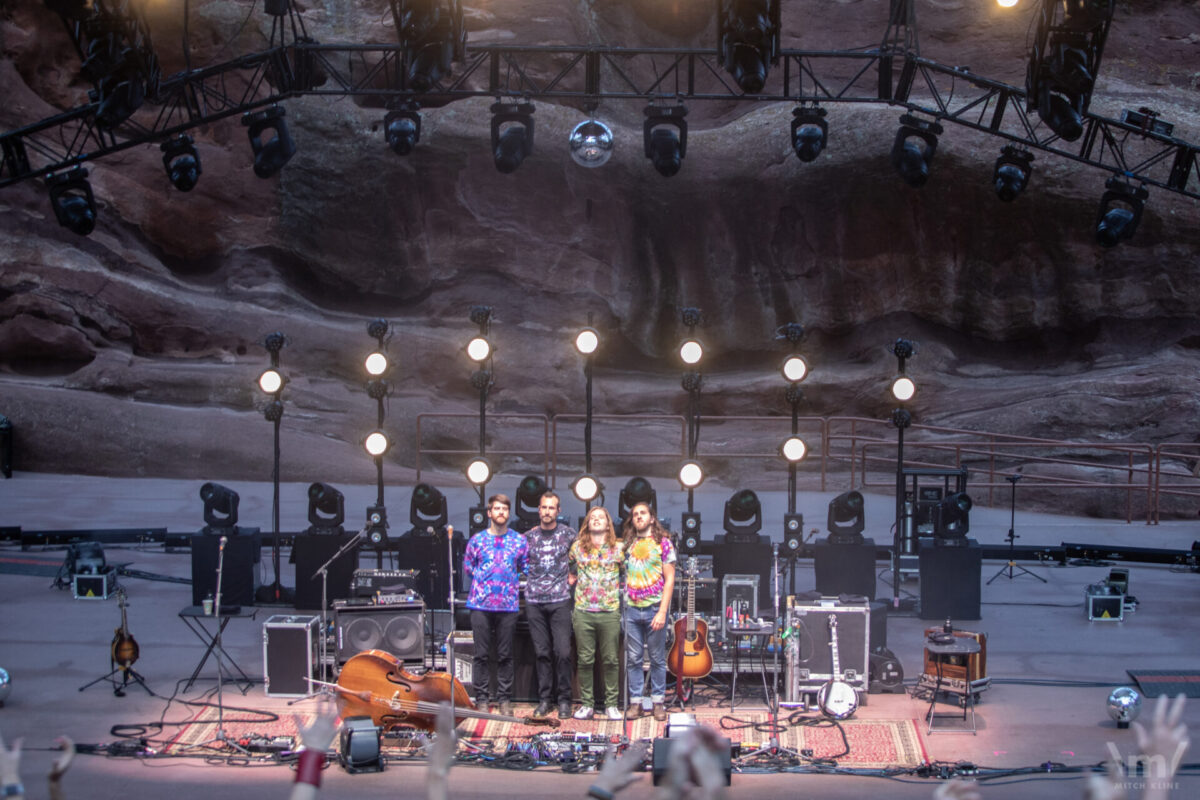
{"type": "Point", "coordinates": [772, 747]}
{"type": "Point", "coordinates": [323, 571]}
{"type": "Point", "coordinates": [451, 667]}
{"type": "Point", "coordinates": [1012, 538]}
{"type": "Point", "coordinates": [221, 737]}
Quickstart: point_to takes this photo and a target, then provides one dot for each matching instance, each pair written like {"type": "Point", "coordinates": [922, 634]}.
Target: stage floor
{"type": "Point", "coordinates": [1051, 671]}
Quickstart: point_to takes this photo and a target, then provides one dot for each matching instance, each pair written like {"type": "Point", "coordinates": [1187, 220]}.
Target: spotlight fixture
{"type": "Point", "coordinates": [587, 488]}
{"type": "Point", "coordinates": [590, 143]}
{"type": "Point", "coordinates": [748, 40]}
{"type": "Point", "coordinates": [274, 342]}
{"type": "Point", "coordinates": [691, 382]}
{"type": "Point", "coordinates": [376, 363]}
{"type": "Point", "coordinates": [793, 449]}
{"type": "Point", "coordinates": [901, 418]}
{"type": "Point", "coordinates": [433, 33]}
{"type": "Point", "coordinates": [402, 129]}
{"type": "Point", "coordinates": [903, 388]}
{"type": "Point", "coordinates": [427, 507]}
{"type": "Point", "coordinates": [810, 133]}
{"type": "Point", "coordinates": [914, 147]}
{"type": "Point", "coordinates": [182, 162]}
{"type": "Point", "coordinates": [636, 490]}
{"type": "Point", "coordinates": [1006, 3]}
{"type": "Point", "coordinates": [794, 368]}
{"type": "Point", "coordinates": [903, 349]}
{"type": "Point", "coordinates": [376, 444]}
{"type": "Point", "coordinates": [273, 411]}
{"type": "Point", "coordinates": [479, 471]}
{"type": "Point", "coordinates": [1013, 168]}
{"type": "Point", "coordinates": [479, 349]}
{"type": "Point", "coordinates": [952, 520]}
{"type": "Point", "coordinates": [1120, 211]}
{"type": "Point", "coordinates": [377, 389]}
{"type": "Point", "coordinates": [480, 315]}
{"type": "Point", "coordinates": [377, 329]}
{"type": "Point", "coordinates": [691, 475]}
{"type": "Point", "coordinates": [271, 381]}
{"type": "Point", "coordinates": [690, 316]}
{"type": "Point", "coordinates": [270, 155]}
{"type": "Point", "coordinates": [326, 507]}
{"type": "Point", "coordinates": [586, 341]}
{"type": "Point", "coordinates": [743, 517]}
{"type": "Point", "coordinates": [512, 134]}
{"type": "Point", "coordinates": [220, 505]}
{"type": "Point", "coordinates": [527, 502]}
{"type": "Point", "coordinates": [664, 137]}
{"type": "Point", "coordinates": [1064, 61]}
{"type": "Point", "coordinates": [481, 379]}
{"type": "Point", "coordinates": [691, 351]}
{"type": "Point", "coordinates": [72, 200]}
{"type": "Point", "coordinates": [846, 518]}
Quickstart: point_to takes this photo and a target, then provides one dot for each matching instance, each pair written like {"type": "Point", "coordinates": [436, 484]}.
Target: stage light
{"type": "Point", "coordinates": [481, 379]}
{"type": "Point", "coordinates": [810, 133]}
{"type": "Point", "coordinates": [586, 341]}
{"type": "Point", "coordinates": [691, 382]}
{"type": "Point", "coordinates": [182, 162]}
{"type": "Point", "coordinates": [376, 444]}
{"type": "Point", "coordinates": [220, 505]}
{"type": "Point", "coordinates": [903, 349]}
{"type": "Point", "coordinates": [528, 499]}
{"type": "Point", "coordinates": [402, 129]}
{"type": "Point", "coordinates": [270, 155]}
{"type": "Point", "coordinates": [271, 381]}
{"type": "Point", "coordinates": [636, 490]}
{"type": "Point", "coordinates": [901, 418]}
{"type": "Point", "coordinates": [743, 516]}
{"type": "Point", "coordinates": [360, 746]}
{"type": "Point", "coordinates": [377, 390]}
{"type": "Point", "coordinates": [1120, 212]}
{"type": "Point", "coordinates": [903, 388]}
{"type": "Point", "coordinates": [748, 37]}
{"type": "Point", "coordinates": [377, 525]}
{"type": "Point", "coordinates": [793, 534]}
{"type": "Point", "coordinates": [326, 506]}
{"type": "Point", "coordinates": [793, 449]}
{"type": "Point", "coordinates": [1013, 168]}
{"type": "Point", "coordinates": [846, 518]}
{"type": "Point", "coordinates": [1124, 705]}
{"type": "Point", "coordinates": [512, 134]}
{"type": "Point", "coordinates": [427, 508]}
{"type": "Point", "coordinates": [479, 349]}
{"type": "Point", "coordinates": [72, 200]}
{"type": "Point", "coordinates": [664, 137]}
{"type": "Point", "coordinates": [952, 520]}
{"type": "Point", "coordinates": [689, 541]}
{"type": "Point", "coordinates": [479, 471]}
{"type": "Point", "coordinates": [691, 475]}
{"type": "Point", "coordinates": [794, 369]}
{"type": "Point", "coordinates": [1006, 3]}
{"type": "Point", "coordinates": [273, 411]}
{"type": "Point", "coordinates": [691, 351]}
{"type": "Point", "coordinates": [376, 363]}
{"type": "Point", "coordinates": [914, 148]}
{"type": "Point", "coordinates": [587, 488]}
{"type": "Point", "coordinates": [590, 143]}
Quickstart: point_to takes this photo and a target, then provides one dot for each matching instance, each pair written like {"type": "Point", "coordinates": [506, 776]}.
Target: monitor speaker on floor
{"type": "Point", "coordinates": [397, 628]}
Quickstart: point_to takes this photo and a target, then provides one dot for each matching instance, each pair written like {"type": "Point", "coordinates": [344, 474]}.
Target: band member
{"type": "Point", "coordinates": [494, 559]}
{"type": "Point", "coordinates": [596, 560]}
{"type": "Point", "coordinates": [649, 582]}
{"type": "Point", "coordinates": [548, 606]}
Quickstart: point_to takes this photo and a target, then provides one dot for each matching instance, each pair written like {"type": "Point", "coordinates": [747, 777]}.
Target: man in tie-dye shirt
{"type": "Point", "coordinates": [494, 561]}
{"type": "Point", "coordinates": [649, 583]}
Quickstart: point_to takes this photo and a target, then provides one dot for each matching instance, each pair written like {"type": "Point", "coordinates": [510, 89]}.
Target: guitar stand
{"type": "Point", "coordinates": [128, 673]}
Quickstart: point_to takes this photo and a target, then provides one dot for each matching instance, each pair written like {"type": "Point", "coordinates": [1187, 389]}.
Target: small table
{"type": "Point", "coordinates": [751, 632]}
{"type": "Point", "coordinates": [961, 646]}
{"type": "Point", "coordinates": [195, 618]}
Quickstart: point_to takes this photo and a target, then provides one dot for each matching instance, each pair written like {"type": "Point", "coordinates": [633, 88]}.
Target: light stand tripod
{"type": "Point", "coordinates": [1012, 565]}
{"type": "Point", "coordinates": [221, 737]}
{"type": "Point", "coordinates": [773, 747]}
{"type": "Point", "coordinates": [323, 571]}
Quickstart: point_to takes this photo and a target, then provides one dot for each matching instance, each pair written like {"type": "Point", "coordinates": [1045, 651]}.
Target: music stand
{"type": "Point", "coordinates": [1009, 568]}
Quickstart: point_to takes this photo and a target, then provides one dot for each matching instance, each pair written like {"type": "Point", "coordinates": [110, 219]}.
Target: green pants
{"type": "Point", "coordinates": [598, 630]}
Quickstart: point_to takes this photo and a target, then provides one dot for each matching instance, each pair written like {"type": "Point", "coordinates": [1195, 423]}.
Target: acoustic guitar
{"type": "Point", "coordinates": [690, 656]}
{"type": "Point", "coordinates": [124, 647]}
{"type": "Point", "coordinates": [837, 699]}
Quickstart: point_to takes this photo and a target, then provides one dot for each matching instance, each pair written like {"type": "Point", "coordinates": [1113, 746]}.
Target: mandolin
{"type": "Point", "coordinates": [124, 648]}
{"type": "Point", "coordinates": [690, 656]}
{"type": "Point", "coordinates": [374, 683]}
{"type": "Point", "coordinates": [837, 699]}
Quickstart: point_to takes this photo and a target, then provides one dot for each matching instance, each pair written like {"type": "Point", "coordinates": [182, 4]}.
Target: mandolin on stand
{"type": "Point", "coordinates": [124, 647]}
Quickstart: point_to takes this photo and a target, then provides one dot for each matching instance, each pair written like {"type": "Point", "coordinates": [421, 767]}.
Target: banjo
{"type": "Point", "coordinates": [837, 699]}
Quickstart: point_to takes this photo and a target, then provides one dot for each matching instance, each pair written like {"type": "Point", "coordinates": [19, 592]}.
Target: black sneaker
{"type": "Point", "coordinates": [543, 709]}
{"type": "Point", "coordinates": [564, 709]}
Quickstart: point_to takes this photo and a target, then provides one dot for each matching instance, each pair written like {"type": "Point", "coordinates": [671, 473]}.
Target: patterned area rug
{"type": "Point", "coordinates": [872, 743]}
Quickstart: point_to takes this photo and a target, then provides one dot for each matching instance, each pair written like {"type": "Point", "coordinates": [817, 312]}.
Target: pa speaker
{"type": "Point", "coordinates": [239, 578]}
{"type": "Point", "coordinates": [950, 581]}
{"type": "Point", "coordinates": [397, 628]}
{"type": "Point", "coordinates": [745, 558]}
{"type": "Point", "coordinates": [662, 754]}
{"type": "Point", "coordinates": [845, 568]}
{"type": "Point", "coordinates": [430, 555]}
{"type": "Point", "coordinates": [311, 552]}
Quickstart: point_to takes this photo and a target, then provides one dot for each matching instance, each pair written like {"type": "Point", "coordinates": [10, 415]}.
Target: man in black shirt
{"type": "Point", "coordinates": [548, 606]}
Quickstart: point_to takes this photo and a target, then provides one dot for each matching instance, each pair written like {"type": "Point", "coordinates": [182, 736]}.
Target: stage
{"type": "Point", "coordinates": [1051, 671]}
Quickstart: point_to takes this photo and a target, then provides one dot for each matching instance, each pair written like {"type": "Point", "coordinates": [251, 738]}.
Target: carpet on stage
{"type": "Point", "coordinates": [872, 743]}
{"type": "Point", "coordinates": [1154, 682]}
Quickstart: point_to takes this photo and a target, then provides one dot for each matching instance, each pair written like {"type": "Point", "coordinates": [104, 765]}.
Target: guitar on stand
{"type": "Point", "coordinates": [122, 654]}
{"type": "Point", "coordinates": [837, 699]}
{"type": "Point", "coordinates": [690, 657]}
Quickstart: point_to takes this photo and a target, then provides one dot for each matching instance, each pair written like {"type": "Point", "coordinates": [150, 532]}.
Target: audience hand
{"type": "Point", "coordinates": [1167, 737]}
{"type": "Point", "coordinates": [10, 762]}
{"type": "Point", "coordinates": [1109, 786]}
{"type": "Point", "coordinates": [63, 762]}
{"type": "Point", "coordinates": [957, 790]}
{"type": "Point", "coordinates": [319, 734]}
{"type": "Point", "coordinates": [617, 773]}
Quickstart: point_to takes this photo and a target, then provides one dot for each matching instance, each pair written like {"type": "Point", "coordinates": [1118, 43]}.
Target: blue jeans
{"type": "Point", "coordinates": [638, 635]}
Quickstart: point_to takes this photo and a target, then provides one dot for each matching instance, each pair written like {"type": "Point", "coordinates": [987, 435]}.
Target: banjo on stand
{"type": "Point", "coordinates": [836, 699]}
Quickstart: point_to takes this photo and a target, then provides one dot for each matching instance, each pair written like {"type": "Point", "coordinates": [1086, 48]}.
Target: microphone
{"type": "Point", "coordinates": [224, 539]}
{"type": "Point", "coordinates": [429, 530]}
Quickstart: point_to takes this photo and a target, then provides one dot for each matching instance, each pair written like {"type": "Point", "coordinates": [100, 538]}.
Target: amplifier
{"type": "Point", "coordinates": [289, 653]}
{"type": "Point", "coordinates": [396, 628]}
{"type": "Point", "coordinates": [371, 582]}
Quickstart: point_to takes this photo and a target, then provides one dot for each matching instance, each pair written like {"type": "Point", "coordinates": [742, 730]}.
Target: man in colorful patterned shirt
{"type": "Point", "coordinates": [494, 560]}
{"type": "Point", "coordinates": [649, 582]}
{"type": "Point", "coordinates": [548, 606]}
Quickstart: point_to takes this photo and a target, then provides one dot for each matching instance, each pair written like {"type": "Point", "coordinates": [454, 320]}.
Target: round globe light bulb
{"type": "Point", "coordinates": [376, 443]}
{"type": "Point", "coordinates": [794, 449]}
{"type": "Point", "coordinates": [586, 341]}
{"type": "Point", "coordinates": [691, 351]}
{"type": "Point", "coordinates": [586, 488]}
{"type": "Point", "coordinates": [691, 475]}
{"type": "Point", "coordinates": [376, 363]}
{"type": "Point", "coordinates": [795, 369]}
{"type": "Point", "coordinates": [903, 388]}
{"type": "Point", "coordinates": [479, 348]}
{"type": "Point", "coordinates": [271, 381]}
{"type": "Point", "coordinates": [479, 471]}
